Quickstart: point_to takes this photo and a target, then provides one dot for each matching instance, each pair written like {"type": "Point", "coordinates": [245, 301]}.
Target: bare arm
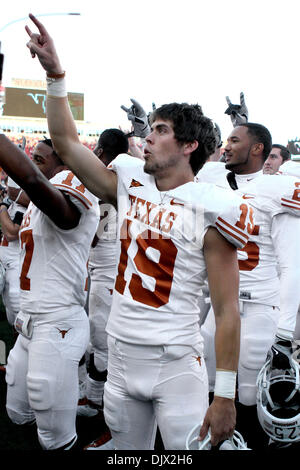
{"type": "Point", "coordinates": [41, 192]}
{"type": "Point", "coordinates": [9, 229]}
{"type": "Point", "coordinates": [223, 279]}
{"type": "Point", "coordinates": [23, 199]}
{"type": "Point", "coordinates": [17, 194]}
{"type": "Point", "coordinates": [81, 160]}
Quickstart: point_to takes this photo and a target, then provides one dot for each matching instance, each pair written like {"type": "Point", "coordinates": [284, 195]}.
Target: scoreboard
{"type": "Point", "coordinates": [29, 102]}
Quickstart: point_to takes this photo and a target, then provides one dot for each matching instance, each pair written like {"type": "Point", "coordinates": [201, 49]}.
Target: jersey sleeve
{"type": "Point", "coordinates": [123, 164]}
{"type": "Point", "coordinates": [69, 184]}
{"type": "Point", "coordinates": [129, 171]}
{"type": "Point", "coordinates": [290, 195]}
{"type": "Point", "coordinates": [211, 172]}
{"type": "Point", "coordinates": [232, 217]}
{"type": "Point", "coordinates": [275, 194]}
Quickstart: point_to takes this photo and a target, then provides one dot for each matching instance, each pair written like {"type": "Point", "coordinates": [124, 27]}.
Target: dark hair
{"type": "Point", "coordinates": [113, 142]}
{"type": "Point", "coordinates": [48, 142]}
{"type": "Point", "coordinates": [189, 124]}
{"type": "Point", "coordinates": [284, 151]}
{"type": "Point", "coordinates": [261, 135]}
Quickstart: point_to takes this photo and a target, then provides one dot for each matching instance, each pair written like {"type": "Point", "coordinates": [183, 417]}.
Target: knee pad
{"type": "Point", "coordinates": [17, 418]}
{"type": "Point", "coordinates": [254, 351]}
{"type": "Point", "coordinates": [40, 393]}
{"type": "Point", "coordinates": [247, 394]}
{"type": "Point", "coordinates": [252, 357]}
{"type": "Point", "coordinates": [17, 409]}
{"type": "Point", "coordinates": [10, 369]}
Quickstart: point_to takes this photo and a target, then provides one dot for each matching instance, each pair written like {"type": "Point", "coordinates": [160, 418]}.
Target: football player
{"type": "Point", "coordinates": [11, 215]}
{"type": "Point", "coordinates": [172, 232]}
{"type": "Point", "coordinates": [55, 235]}
{"type": "Point", "coordinates": [278, 155]}
{"type": "Point", "coordinates": [268, 303]}
{"type": "Point", "coordinates": [102, 265]}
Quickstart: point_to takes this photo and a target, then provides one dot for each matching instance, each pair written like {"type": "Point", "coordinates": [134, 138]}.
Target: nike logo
{"type": "Point", "coordinates": [248, 197]}
{"type": "Point", "coordinates": [250, 179]}
{"type": "Point", "coordinates": [174, 203]}
{"type": "Point", "coordinates": [135, 184]}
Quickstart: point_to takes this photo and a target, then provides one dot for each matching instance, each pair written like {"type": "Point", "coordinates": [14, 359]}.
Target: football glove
{"type": "Point", "coordinates": [6, 202]}
{"type": "Point", "coordinates": [218, 135]}
{"type": "Point", "coordinates": [138, 118]}
{"type": "Point", "coordinates": [238, 112]}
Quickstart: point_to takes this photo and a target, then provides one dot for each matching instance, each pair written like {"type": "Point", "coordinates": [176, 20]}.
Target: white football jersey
{"type": "Point", "coordinates": [269, 195]}
{"type": "Point", "coordinates": [53, 273]}
{"type": "Point", "coordinates": [102, 258]}
{"type": "Point", "coordinates": [216, 173]}
{"type": "Point", "coordinates": [290, 167]}
{"type": "Point", "coordinates": [161, 265]}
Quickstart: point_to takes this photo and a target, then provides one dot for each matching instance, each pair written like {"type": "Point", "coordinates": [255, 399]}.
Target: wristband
{"type": "Point", "coordinates": [57, 87]}
{"type": "Point", "coordinates": [225, 384]}
{"type": "Point", "coordinates": [56, 75]}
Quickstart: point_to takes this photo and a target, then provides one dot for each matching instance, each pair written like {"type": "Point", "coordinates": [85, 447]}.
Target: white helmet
{"type": "Point", "coordinates": [2, 278]}
{"type": "Point", "coordinates": [236, 442]}
{"type": "Point", "coordinates": [278, 402]}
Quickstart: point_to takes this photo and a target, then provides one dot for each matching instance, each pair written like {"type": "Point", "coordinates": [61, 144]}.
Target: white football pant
{"type": "Point", "coordinates": [258, 330]}
{"type": "Point", "coordinates": [154, 385]}
{"type": "Point", "coordinates": [42, 376]}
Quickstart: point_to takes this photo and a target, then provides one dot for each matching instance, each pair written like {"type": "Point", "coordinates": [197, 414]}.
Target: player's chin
{"type": "Point", "coordinates": [148, 168]}
{"type": "Point", "coordinates": [229, 165]}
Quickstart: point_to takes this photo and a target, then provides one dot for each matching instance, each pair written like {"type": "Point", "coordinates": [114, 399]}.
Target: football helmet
{"type": "Point", "coordinates": [278, 402]}
{"type": "Point", "coordinates": [236, 442]}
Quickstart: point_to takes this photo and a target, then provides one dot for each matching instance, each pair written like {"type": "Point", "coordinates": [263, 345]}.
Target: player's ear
{"type": "Point", "coordinates": [190, 147]}
{"type": "Point", "coordinates": [257, 148]}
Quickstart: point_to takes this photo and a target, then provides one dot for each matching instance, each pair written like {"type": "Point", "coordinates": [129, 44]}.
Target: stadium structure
{"type": "Point", "coordinates": [23, 112]}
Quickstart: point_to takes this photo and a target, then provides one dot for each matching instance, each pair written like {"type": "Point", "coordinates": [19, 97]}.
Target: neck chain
{"type": "Point", "coordinates": [162, 198]}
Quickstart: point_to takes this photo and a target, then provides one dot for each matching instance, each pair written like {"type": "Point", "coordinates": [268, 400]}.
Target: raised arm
{"type": "Point", "coordinates": [81, 160]}
{"type": "Point", "coordinates": [9, 228]}
{"type": "Point", "coordinates": [41, 192]}
{"type": "Point", "coordinates": [223, 279]}
{"type": "Point", "coordinates": [238, 112]}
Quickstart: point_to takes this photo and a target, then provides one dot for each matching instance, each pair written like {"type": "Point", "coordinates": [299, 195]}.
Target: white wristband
{"type": "Point", "coordinates": [225, 384]}
{"type": "Point", "coordinates": [57, 87]}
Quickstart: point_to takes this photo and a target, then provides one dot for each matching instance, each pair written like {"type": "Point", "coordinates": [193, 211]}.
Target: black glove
{"type": "Point", "coordinates": [139, 119]}
{"type": "Point", "coordinates": [6, 202]}
{"type": "Point", "coordinates": [280, 354]}
{"type": "Point", "coordinates": [238, 112]}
